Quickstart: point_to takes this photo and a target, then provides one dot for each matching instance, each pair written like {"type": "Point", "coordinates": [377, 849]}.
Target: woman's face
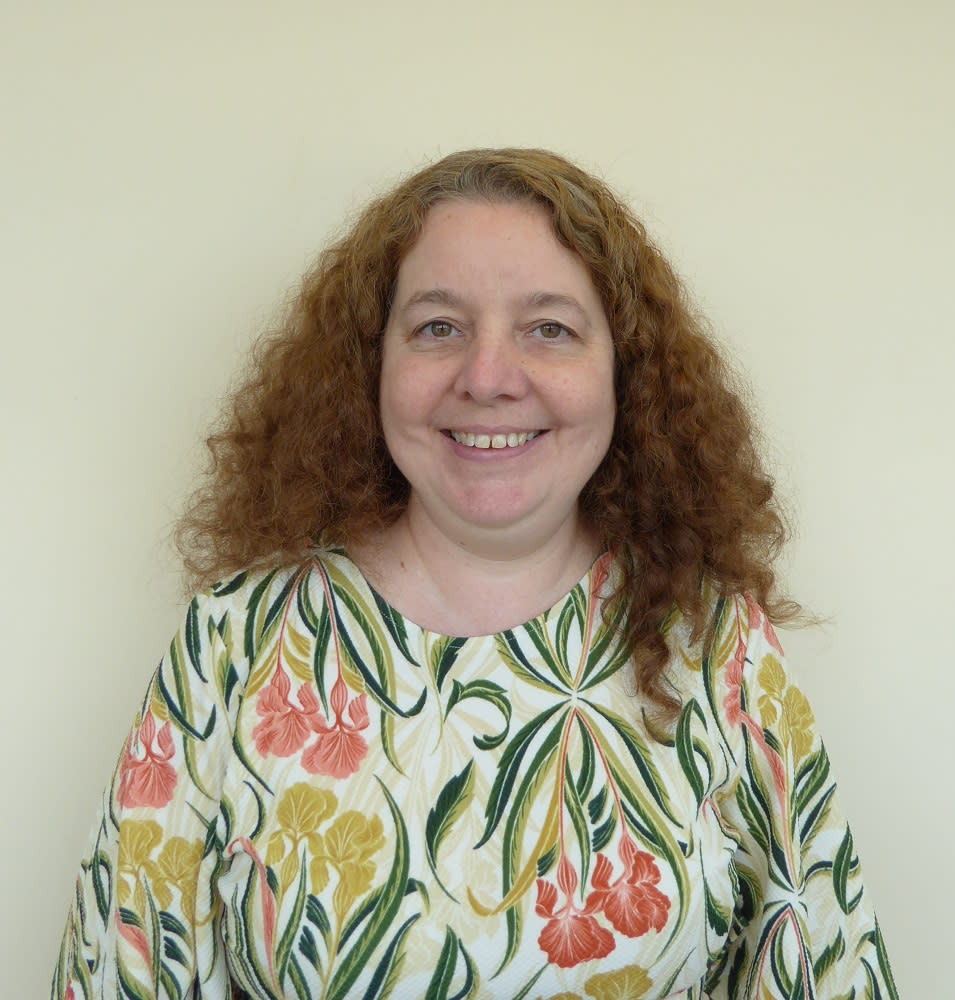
{"type": "Point", "coordinates": [497, 397]}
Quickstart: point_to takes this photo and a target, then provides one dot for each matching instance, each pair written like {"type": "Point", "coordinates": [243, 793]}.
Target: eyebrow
{"type": "Point", "coordinates": [434, 296]}
{"type": "Point", "coordinates": [537, 300]}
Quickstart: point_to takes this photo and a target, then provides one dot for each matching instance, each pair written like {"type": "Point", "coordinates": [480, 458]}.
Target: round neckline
{"type": "Point", "coordinates": [382, 602]}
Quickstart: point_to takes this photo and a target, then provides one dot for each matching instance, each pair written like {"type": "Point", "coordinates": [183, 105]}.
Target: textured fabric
{"type": "Point", "coordinates": [319, 799]}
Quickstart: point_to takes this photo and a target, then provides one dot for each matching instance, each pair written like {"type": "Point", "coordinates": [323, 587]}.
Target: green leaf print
{"type": "Point", "coordinates": [395, 626]}
{"type": "Point", "coordinates": [287, 940]}
{"type": "Point", "coordinates": [487, 691]}
{"type": "Point", "coordinates": [386, 908]}
{"type": "Point", "coordinates": [440, 985]}
{"type": "Point", "coordinates": [193, 642]}
{"type": "Point", "coordinates": [509, 649]}
{"type": "Point", "coordinates": [603, 833]}
{"type": "Point", "coordinates": [226, 587]}
{"type": "Point", "coordinates": [261, 615]}
{"type": "Point", "coordinates": [102, 878]}
{"type": "Point", "coordinates": [585, 778]}
{"type": "Point", "coordinates": [508, 769]}
{"type": "Point", "coordinates": [444, 968]}
{"type": "Point", "coordinates": [812, 775]}
{"type": "Point", "coordinates": [716, 916]}
{"type": "Point", "coordinates": [546, 861]}
{"type": "Point", "coordinates": [641, 756]}
{"type": "Point", "coordinates": [385, 976]}
{"type": "Point", "coordinates": [380, 682]}
{"type": "Point", "coordinates": [842, 866]}
{"type": "Point", "coordinates": [180, 704]}
{"type": "Point", "coordinates": [596, 805]}
{"type": "Point", "coordinates": [816, 818]}
{"type": "Point", "coordinates": [443, 655]}
{"type": "Point", "coordinates": [558, 666]}
{"type": "Point", "coordinates": [520, 867]}
{"type": "Point", "coordinates": [685, 751]}
{"type": "Point", "coordinates": [571, 614]}
{"type": "Point", "coordinates": [829, 956]}
{"type": "Point", "coordinates": [452, 801]}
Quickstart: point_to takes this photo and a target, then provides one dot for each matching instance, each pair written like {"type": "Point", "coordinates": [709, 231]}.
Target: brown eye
{"type": "Point", "coordinates": [553, 331]}
{"type": "Point", "coordinates": [438, 330]}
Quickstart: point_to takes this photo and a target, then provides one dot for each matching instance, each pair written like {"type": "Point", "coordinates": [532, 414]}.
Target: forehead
{"type": "Point", "coordinates": [477, 241]}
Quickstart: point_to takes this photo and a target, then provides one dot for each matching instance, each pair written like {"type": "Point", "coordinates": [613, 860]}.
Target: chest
{"type": "Point", "coordinates": [481, 817]}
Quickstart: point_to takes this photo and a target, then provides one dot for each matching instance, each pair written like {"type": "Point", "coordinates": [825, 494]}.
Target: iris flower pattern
{"type": "Point", "coordinates": [321, 800]}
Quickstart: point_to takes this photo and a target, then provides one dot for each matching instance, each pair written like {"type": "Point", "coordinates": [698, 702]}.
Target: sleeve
{"type": "Point", "coordinates": [803, 926]}
{"type": "Point", "coordinates": [145, 918]}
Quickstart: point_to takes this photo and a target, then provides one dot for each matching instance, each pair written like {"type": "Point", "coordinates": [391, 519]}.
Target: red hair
{"type": "Point", "coordinates": [681, 497]}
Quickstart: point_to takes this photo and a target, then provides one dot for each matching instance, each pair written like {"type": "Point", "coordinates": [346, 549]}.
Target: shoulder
{"type": "Point", "coordinates": [247, 608]}
{"type": "Point", "coordinates": [736, 645]}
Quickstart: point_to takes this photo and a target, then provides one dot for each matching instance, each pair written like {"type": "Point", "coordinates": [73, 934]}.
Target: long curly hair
{"type": "Point", "coordinates": [681, 497]}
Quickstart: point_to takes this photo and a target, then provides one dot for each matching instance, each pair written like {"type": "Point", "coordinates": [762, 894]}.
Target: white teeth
{"type": "Point", "coordinates": [511, 440]}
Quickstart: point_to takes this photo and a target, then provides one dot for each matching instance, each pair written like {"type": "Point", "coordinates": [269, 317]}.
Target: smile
{"type": "Point", "coordinates": [511, 440]}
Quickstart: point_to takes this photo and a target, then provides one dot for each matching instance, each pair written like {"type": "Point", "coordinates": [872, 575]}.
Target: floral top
{"type": "Point", "coordinates": [320, 799]}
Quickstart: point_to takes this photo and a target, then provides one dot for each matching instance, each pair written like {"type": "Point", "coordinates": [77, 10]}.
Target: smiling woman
{"type": "Point", "coordinates": [497, 410]}
{"type": "Point", "coordinates": [480, 696]}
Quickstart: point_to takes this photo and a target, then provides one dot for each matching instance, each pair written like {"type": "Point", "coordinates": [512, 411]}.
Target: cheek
{"type": "Point", "coordinates": [404, 401]}
{"type": "Point", "coordinates": [588, 400]}
{"type": "Point", "coordinates": [392, 387]}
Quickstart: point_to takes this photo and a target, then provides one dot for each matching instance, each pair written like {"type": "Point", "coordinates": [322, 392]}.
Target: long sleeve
{"type": "Point", "coordinates": [145, 920]}
{"type": "Point", "coordinates": [803, 926]}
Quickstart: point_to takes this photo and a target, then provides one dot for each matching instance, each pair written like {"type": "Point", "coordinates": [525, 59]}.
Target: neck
{"type": "Point", "coordinates": [470, 588]}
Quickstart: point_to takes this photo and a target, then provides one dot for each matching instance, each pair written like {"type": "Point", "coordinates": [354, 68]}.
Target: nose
{"type": "Point", "coordinates": [492, 367]}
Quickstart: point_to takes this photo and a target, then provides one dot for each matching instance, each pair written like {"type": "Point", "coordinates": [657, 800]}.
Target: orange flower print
{"type": "Point", "coordinates": [146, 778]}
{"type": "Point", "coordinates": [284, 727]}
{"type": "Point", "coordinates": [733, 702]}
{"type": "Point", "coordinates": [571, 935]}
{"type": "Point", "coordinates": [758, 618]}
{"type": "Point", "coordinates": [136, 937]}
{"type": "Point", "coordinates": [242, 845]}
{"type": "Point", "coordinates": [340, 747]}
{"type": "Point", "coordinates": [633, 903]}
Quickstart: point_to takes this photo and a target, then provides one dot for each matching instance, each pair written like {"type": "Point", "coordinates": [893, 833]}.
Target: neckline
{"type": "Point", "coordinates": [601, 567]}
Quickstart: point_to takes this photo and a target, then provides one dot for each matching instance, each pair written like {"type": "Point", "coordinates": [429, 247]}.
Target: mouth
{"type": "Point", "coordinates": [513, 439]}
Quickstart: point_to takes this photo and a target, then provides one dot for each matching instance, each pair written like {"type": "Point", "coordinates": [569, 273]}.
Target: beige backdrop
{"type": "Point", "coordinates": [167, 171]}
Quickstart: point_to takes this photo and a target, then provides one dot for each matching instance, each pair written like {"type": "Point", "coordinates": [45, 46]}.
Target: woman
{"type": "Point", "coordinates": [486, 701]}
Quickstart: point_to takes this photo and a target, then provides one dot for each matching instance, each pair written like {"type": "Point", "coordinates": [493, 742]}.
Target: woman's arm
{"type": "Point", "coordinates": [803, 924]}
{"type": "Point", "coordinates": [145, 917]}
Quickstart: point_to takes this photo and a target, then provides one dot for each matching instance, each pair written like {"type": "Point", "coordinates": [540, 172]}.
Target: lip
{"type": "Point", "coordinates": [491, 431]}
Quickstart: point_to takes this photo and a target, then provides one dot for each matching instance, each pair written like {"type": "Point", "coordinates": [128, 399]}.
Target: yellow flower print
{"type": "Point", "coordinates": [304, 808]}
{"type": "Point", "coordinates": [772, 679]}
{"type": "Point", "coordinates": [177, 866]}
{"type": "Point", "coordinates": [350, 843]}
{"type": "Point", "coordinates": [137, 841]}
{"type": "Point", "coordinates": [786, 706]}
{"type": "Point", "coordinates": [797, 722]}
{"type": "Point", "coordinates": [301, 810]}
{"type": "Point", "coordinates": [629, 983]}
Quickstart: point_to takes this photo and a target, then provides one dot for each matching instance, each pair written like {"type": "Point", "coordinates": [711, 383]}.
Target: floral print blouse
{"type": "Point", "coordinates": [321, 800]}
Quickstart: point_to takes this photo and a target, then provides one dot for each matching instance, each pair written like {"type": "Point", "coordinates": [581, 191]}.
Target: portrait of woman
{"type": "Point", "coordinates": [480, 694]}
{"type": "Point", "coordinates": [476, 500]}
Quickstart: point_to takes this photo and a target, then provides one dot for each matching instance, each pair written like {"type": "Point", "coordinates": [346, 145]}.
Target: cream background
{"type": "Point", "coordinates": [168, 170]}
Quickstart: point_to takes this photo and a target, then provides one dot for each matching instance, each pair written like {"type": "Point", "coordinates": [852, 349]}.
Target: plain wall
{"type": "Point", "coordinates": [167, 172]}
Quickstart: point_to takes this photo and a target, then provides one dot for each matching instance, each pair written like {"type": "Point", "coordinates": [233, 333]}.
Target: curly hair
{"type": "Point", "coordinates": [681, 497]}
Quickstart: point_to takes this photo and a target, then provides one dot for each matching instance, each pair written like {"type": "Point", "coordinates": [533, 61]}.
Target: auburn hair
{"type": "Point", "coordinates": [682, 497]}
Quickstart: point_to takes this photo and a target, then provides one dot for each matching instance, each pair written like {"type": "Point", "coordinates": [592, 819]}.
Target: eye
{"type": "Point", "coordinates": [437, 329]}
{"type": "Point", "coordinates": [552, 331]}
